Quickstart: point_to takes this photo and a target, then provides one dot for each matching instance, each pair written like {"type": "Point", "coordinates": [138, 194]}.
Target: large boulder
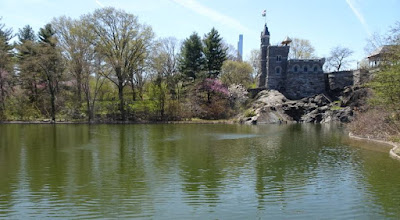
{"type": "Point", "coordinates": [271, 106]}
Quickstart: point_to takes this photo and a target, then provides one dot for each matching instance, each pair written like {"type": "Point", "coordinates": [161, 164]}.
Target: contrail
{"type": "Point", "coordinates": [212, 14]}
{"type": "Point", "coordinates": [99, 3]}
{"type": "Point", "coordinates": [352, 4]}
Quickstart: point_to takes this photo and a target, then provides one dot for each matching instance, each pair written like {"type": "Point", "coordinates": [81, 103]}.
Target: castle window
{"type": "Point", "coordinates": [315, 68]}
{"type": "Point", "coordinates": [305, 69]}
{"type": "Point", "coordinates": [296, 69]}
{"type": "Point", "coordinates": [278, 70]}
{"type": "Point", "coordinates": [278, 58]}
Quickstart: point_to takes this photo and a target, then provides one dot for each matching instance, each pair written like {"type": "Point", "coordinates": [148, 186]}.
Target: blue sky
{"type": "Point", "coordinates": [326, 23]}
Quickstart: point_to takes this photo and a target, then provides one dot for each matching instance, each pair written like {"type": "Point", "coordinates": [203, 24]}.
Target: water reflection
{"type": "Point", "coordinates": [192, 171]}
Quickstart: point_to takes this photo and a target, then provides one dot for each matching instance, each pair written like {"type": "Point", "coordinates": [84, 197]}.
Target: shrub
{"type": "Point", "coordinates": [249, 113]}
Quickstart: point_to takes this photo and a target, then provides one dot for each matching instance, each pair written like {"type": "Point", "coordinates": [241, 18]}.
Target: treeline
{"type": "Point", "coordinates": [107, 66]}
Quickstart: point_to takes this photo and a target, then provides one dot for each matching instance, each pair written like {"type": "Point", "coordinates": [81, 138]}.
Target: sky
{"type": "Point", "coordinates": [325, 23]}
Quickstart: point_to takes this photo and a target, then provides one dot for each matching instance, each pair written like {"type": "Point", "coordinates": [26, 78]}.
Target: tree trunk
{"type": "Point", "coordinates": [121, 100]}
{"type": "Point", "coordinates": [88, 109]}
{"type": "Point", "coordinates": [79, 85]}
{"type": "Point", "coordinates": [53, 103]}
{"type": "Point", "coordinates": [2, 95]}
{"type": "Point", "coordinates": [133, 91]}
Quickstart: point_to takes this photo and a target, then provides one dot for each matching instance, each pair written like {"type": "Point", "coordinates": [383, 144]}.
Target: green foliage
{"type": "Point", "coordinates": [46, 35]}
{"type": "Point", "coordinates": [6, 67]}
{"type": "Point", "coordinates": [336, 106]}
{"type": "Point", "coordinates": [249, 113]}
{"type": "Point", "coordinates": [192, 59]}
{"type": "Point", "coordinates": [26, 33]}
{"type": "Point", "coordinates": [234, 72]}
{"type": "Point", "coordinates": [86, 68]}
{"type": "Point", "coordinates": [215, 53]}
{"type": "Point", "coordinates": [158, 94]}
{"type": "Point", "coordinates": [123, 43]}
{"type": "Point", "coordinates": [19, 107]}
{"type": "Point", "coordinates": [386, 88]}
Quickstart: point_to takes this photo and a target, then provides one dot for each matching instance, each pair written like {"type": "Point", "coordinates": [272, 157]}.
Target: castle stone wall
{"type": "Point", "coordinates": [339, 80]}
{"type": "Point", "coordinates": [300, 78]}
{"type": "Point", "coordinates": [300, 85]}
{"type": "Point", "coordinates": [274, 79]}
{"type": "Point", "coordinates": [361, 76]}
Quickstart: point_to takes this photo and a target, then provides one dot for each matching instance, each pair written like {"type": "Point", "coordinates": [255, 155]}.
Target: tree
{"type": "Point", "coordinates": [301, 49]}
{"type": "Point", "coordinates": [210, 99]}
{"type": "Point", "coordinates": [123, 42]}
{"type": "Point", "coordinates": [75, 50]}
{"type": "Point", "coordinates": [338, 58]}
{"type": "Point", "coordinates": [83, 62]}
{"type": "Point", "coordinates": [385, 84]}
{"type": "Point", "coordinates": [164, 62]}
{"type": "Point", "coordinates": [237, 95]}
{"type": "Point", "coordinates": [29, 77]}
{"type": "Point", "coordinates": [26, 33]}
{"type": "Point", "coordinates": [6, 66]}
{"type": "Point", "coordinates": [231, 52]}
{"type": "Point", "coordinates": [235, 72]}
{"type": "Point", "coordinates": [192, 59]}
{"type": "Point", "coordinates": [93, 83]}
{"type": "Point", "coordinates": [215, 53]}
{"type": "Point", "coordinates": [255, 62]}
{"type": "Point", "coordinates": [50, 64]}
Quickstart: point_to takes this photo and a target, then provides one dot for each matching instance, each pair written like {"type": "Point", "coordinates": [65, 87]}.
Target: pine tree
{"type": "Point", "coordinates": [6, 66]}
{"type": "Point", "coordinates": [215, 53]}
{"type": "Point", "coordinates": [50, 64]}
{"type": "Point", "coordinates": [26, 33]}
{"type": "Point", "coordinates": [192, 60]}
{"type": "Point", "coordinates": [26, 63]}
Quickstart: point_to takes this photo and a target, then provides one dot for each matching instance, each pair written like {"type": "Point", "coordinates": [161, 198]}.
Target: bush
{"type": "Point", "coordinates": [249, 113]}
{"type": "Point", "coordinates": [375, 123]}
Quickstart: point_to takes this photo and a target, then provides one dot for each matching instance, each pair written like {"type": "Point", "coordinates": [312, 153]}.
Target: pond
{"type": "Point", "coordinates": [192, 171]}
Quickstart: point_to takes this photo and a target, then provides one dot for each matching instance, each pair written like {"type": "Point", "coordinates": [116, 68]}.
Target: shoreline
{"type": "Point", "coordinates": [392, 152]}
{"type": "Point", "coordinates": [123, 122]}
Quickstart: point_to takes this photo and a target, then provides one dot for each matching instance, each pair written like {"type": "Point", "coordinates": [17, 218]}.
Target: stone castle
{"type": "Point", "coordinates": [298, 78]}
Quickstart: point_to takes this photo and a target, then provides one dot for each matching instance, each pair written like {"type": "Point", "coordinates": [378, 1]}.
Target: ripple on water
{"type": "Point", "coordinates": [195, 172]}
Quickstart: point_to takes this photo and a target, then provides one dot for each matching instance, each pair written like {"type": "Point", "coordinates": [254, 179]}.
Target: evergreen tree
{"type": "Point", "coordinates": [50, 64]}
{"type": "Point", "coordinates": [215, 53]}
{"type": "Point", "coordinates": [27, 65]}
{"type": "Point", "coordinates": [26, 33]}
{"type": "Point", "coordinates": [6, 66]}
{"type": "Point", "coordinates": [192, 59]}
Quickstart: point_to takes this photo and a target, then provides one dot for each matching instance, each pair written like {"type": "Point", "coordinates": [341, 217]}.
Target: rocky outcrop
{"type": "Point", "coordinates": [270, 106]}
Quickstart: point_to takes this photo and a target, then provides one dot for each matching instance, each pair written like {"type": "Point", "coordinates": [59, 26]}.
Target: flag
{"type": "Point", "coordinates": [264, 13]}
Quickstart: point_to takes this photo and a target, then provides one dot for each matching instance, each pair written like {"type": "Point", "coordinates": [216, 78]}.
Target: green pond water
{"type": "Point", "coordinates": [188, 171]}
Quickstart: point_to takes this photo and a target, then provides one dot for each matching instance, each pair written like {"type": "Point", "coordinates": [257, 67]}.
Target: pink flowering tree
{"type": "Point", "coordinates": [210, 99]}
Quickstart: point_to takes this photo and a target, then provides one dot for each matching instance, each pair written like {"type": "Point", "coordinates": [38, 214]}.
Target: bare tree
{"type": "Point", "coordinates": [124, 44]}
{"type": "Point", "coordinates": [301, 49]}
{"type": "Point", "coordinates": [231, 52]}
{"type": "Point", "coordinates": [255, 58]}
{"type": "Point", "coordinates": [339, 58]}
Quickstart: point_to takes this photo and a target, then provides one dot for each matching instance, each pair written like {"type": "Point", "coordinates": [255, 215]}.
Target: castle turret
{"type": "Point", "coordinates": [263, 59]}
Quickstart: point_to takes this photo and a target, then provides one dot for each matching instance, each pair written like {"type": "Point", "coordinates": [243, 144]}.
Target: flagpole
{"type": "Point", "coordinates": [264, 14]}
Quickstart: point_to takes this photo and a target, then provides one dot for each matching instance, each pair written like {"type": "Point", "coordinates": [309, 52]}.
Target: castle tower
{"type": "Point", "coordinates": [263, 59]}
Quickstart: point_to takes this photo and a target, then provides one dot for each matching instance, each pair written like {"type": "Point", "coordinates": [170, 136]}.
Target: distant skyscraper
{"type": "Point", "coordinates": [240, 47]}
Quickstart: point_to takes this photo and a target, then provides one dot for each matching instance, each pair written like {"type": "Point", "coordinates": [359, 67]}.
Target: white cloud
{"type": "Point", "coordinates": [212, 14]}
{"type": "Point", "coordinates": [99, 3]}
{"type": "Point", "coordinates": [357, 12]}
